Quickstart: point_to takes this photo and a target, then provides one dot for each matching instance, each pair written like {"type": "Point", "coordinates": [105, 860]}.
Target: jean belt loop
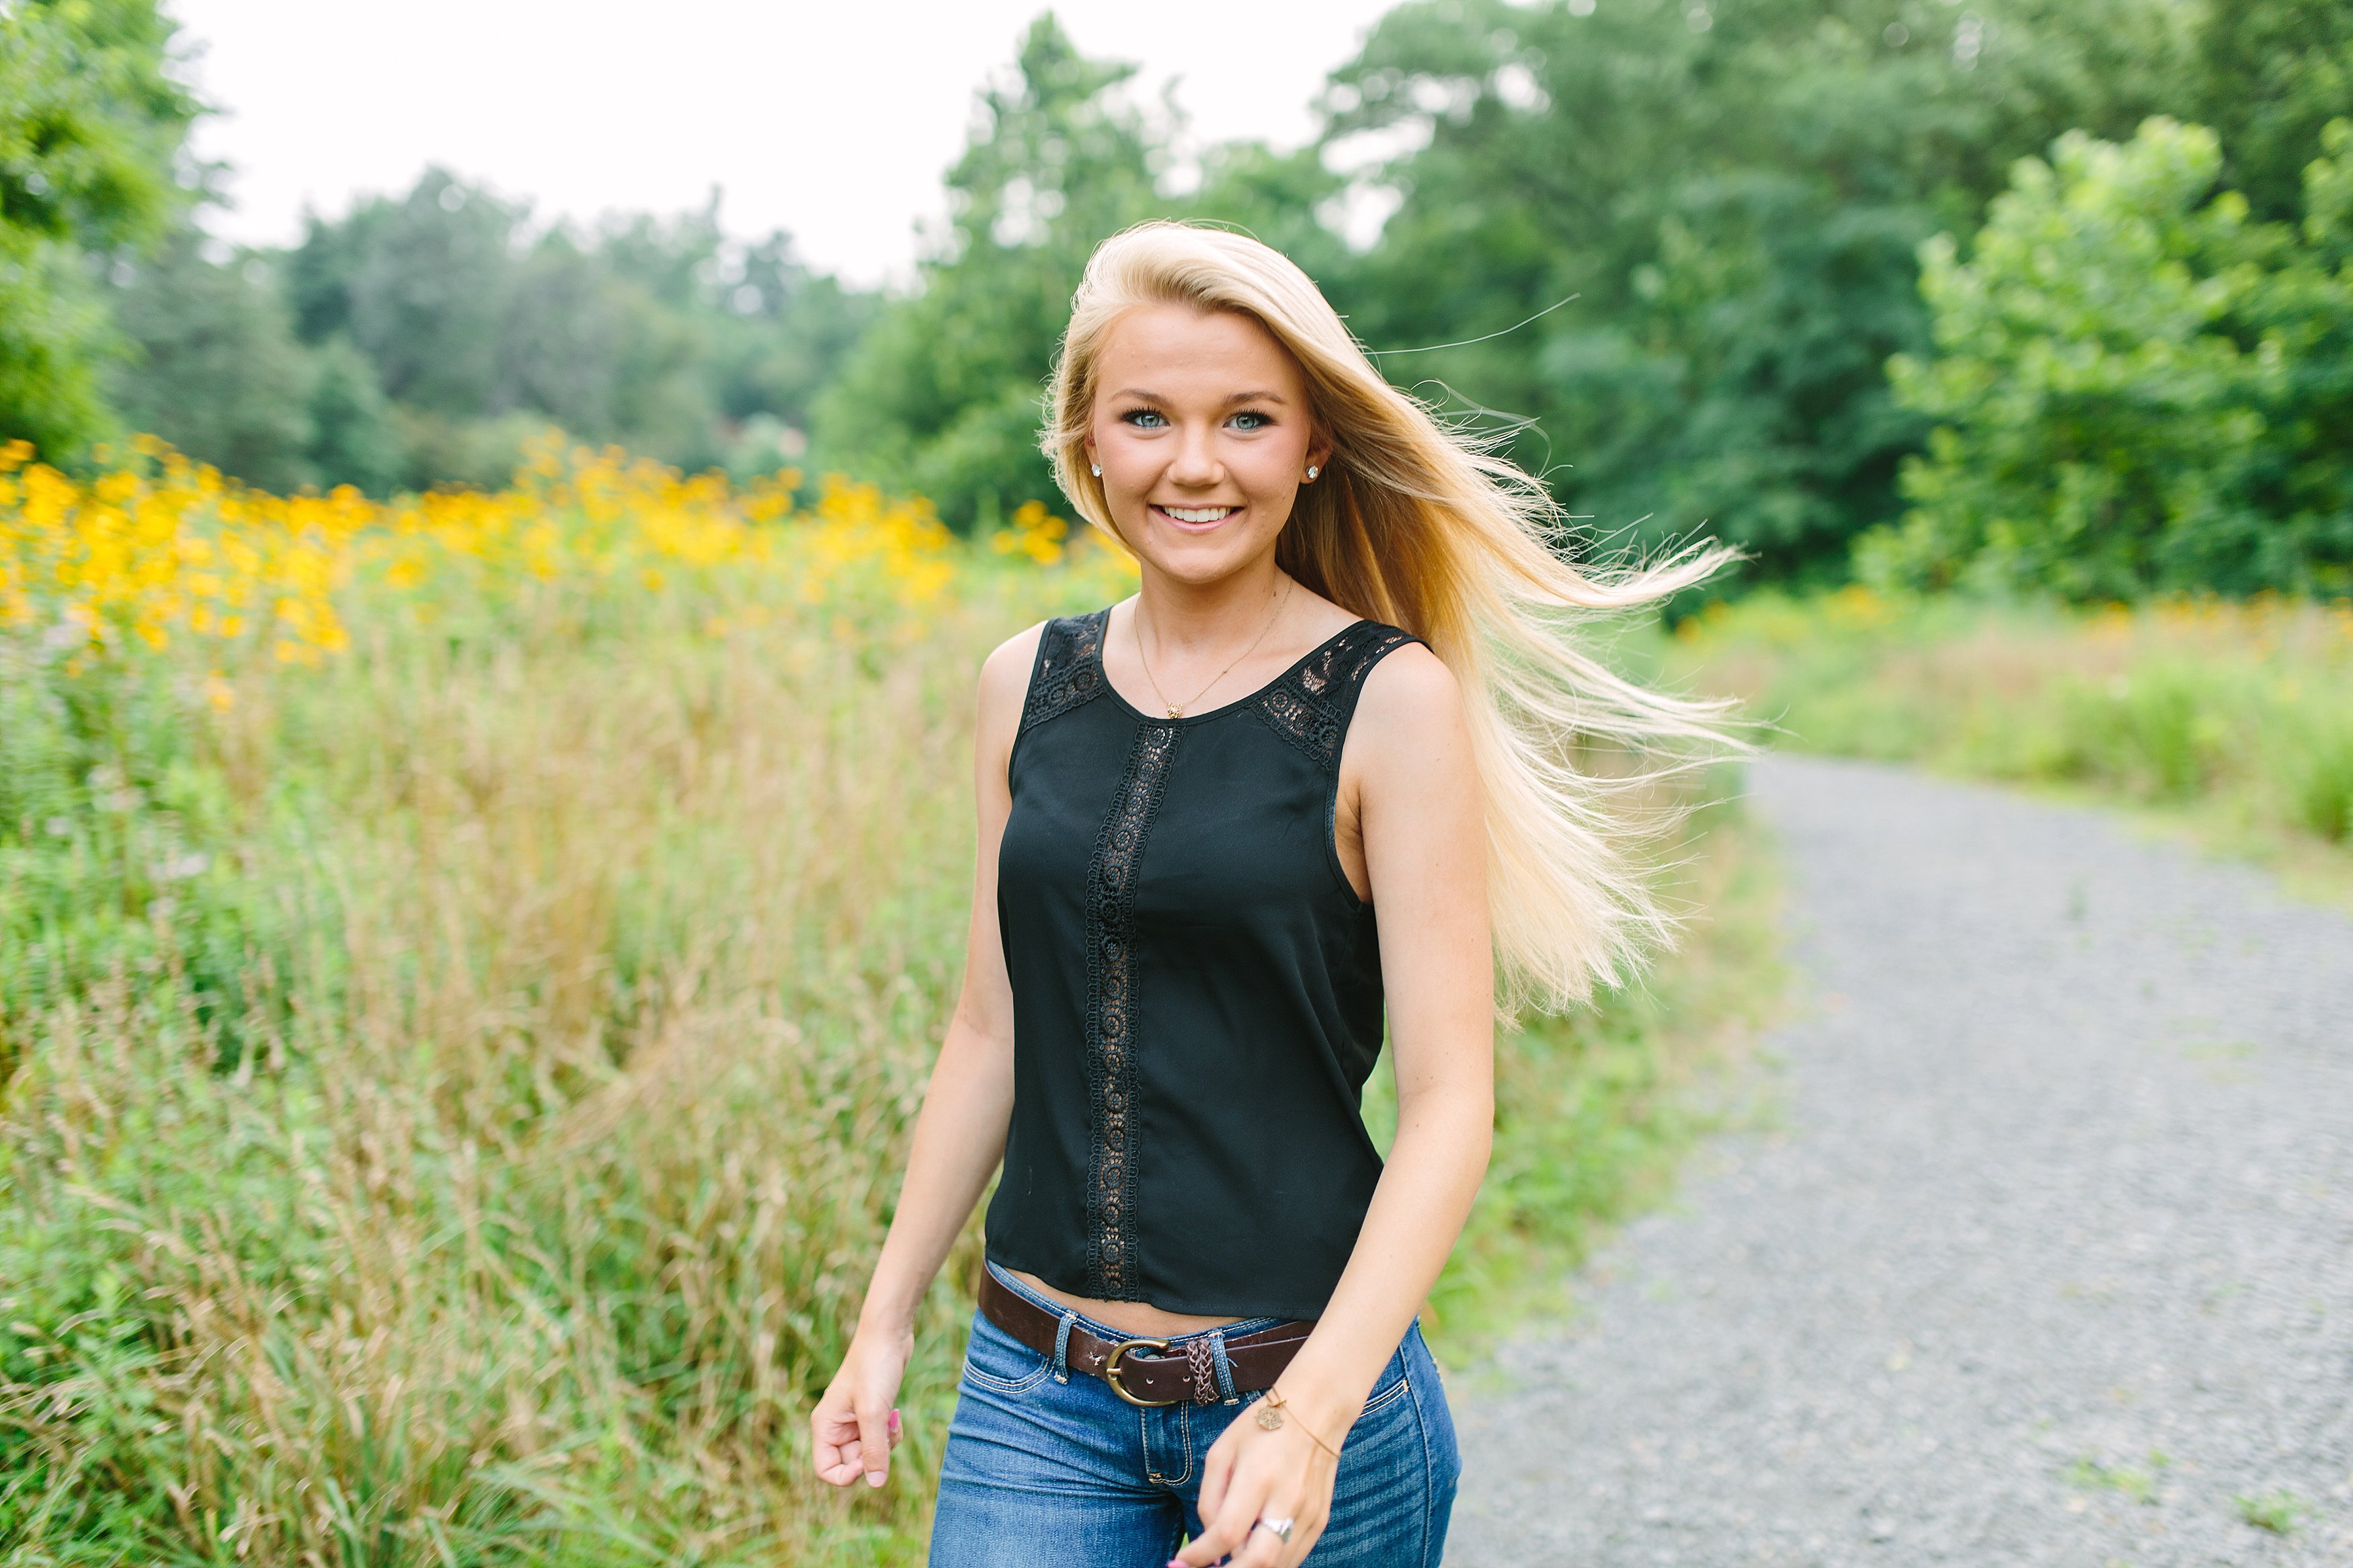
{"type": "Point", "coordinates": [1224, 1368]}
{"type": "Point", "coordinates": [1063, 1347]}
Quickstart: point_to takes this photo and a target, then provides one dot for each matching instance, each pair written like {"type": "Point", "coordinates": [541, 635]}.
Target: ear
{"type": "Point", "coordinates": [1319, 451]}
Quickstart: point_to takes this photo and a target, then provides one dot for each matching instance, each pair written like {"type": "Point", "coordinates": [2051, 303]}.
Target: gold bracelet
{"type": "Point", "coordinates": [1270, 1418]}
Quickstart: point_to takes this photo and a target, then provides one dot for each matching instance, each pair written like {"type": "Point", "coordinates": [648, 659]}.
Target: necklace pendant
{"type": "Point", "coordinates": [1175, 712]}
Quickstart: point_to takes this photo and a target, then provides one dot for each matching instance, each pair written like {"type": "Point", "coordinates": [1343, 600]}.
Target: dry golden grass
{"type": "Point", "coordinates": [459, 1083]}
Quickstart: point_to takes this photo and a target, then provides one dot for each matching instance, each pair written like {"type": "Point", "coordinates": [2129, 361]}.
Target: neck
{"type": "Point", "coordinates": [1186, 616]}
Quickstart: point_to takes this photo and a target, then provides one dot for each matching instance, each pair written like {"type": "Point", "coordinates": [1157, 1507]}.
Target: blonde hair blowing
{"type": "Point", "coordinates": [1413, 524]}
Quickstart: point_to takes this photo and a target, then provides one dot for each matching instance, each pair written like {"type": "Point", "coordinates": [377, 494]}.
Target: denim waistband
{"type": "Point", "coordinates": [1104, 1331]}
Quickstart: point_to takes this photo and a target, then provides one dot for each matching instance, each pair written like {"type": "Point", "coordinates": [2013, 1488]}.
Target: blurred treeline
{"type": "Point", "coordinates": [1819, 293]}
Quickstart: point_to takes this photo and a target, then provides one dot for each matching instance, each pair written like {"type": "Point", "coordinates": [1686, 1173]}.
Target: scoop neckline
{"type": "Point", "coordinates": [1222, 709]}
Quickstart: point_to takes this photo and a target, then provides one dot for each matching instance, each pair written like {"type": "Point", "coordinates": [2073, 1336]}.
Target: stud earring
{"type": "Point", "coordinates": [1095, 468]}
{"type": "Point", "coordinates": [1312, 471]}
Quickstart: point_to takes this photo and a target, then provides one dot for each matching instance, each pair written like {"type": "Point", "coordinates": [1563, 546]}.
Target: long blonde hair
{"type": "Point", "coordinates": [1414, 525]}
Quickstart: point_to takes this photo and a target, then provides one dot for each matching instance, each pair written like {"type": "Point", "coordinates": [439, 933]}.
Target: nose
{"type": "Point", "coordinates": [1195, 466]}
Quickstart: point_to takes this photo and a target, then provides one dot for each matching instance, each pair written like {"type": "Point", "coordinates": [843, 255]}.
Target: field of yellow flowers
{"type": "Point", "coordinates": [467, 966]}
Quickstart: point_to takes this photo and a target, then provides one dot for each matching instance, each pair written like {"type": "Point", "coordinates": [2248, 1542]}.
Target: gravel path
{"type": "Point", "coordinates": [2049, 1260]}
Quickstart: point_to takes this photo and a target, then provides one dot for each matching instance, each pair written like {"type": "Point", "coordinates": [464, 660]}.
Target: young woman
{"type": "Point", "coordinates": [1313, 777]}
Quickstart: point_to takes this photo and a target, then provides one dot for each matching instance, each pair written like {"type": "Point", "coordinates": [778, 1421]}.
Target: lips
{"type": "Point", "coordinates": [1195, 517]}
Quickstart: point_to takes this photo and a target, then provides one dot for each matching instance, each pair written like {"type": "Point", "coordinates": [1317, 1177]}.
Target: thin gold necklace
{"type": "Point", "coordinates": [1177, 709]}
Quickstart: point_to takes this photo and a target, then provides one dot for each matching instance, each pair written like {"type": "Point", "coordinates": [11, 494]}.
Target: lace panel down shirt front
{"type": "Point", "coordinates": [1197, 989]}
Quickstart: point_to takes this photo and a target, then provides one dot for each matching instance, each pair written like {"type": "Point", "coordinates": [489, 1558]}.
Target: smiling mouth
{"type": "Point", "coordinates": [1199, 514]}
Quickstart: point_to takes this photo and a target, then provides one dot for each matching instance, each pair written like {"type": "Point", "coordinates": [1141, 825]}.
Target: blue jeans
{"type": "Point", "coordinates": [1047, 1467]}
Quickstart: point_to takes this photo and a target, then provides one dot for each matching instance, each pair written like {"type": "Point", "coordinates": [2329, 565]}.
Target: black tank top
{"type": "Point", "coordinates": [1197, 989]}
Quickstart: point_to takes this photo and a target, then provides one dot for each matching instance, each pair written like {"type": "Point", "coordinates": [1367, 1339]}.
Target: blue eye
{"type": "Point", "coordinates": [1143, 418]}
{"type": "Point", "coordinates": [1250, 419]}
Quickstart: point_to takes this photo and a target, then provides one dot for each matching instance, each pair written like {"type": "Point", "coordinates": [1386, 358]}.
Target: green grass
{"type": "Point", "coordinates": [2136, 1482]}
{"type": "Point", "coordinates": [1594, 1110]}
{"type": "Point", "coordinates": [450, 1098]}
{"type": "Point", "coordinates": [2230, 722]}
{"type": "Point", "coordinates": [2276, 1511]}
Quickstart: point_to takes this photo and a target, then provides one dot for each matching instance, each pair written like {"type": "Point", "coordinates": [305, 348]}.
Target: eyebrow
{"type": "Point", "coordinates": [1140, 393]}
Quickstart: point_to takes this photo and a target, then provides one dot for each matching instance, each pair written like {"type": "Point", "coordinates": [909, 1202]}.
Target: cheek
{"type": "Point", "coordinates": [1270, 468]}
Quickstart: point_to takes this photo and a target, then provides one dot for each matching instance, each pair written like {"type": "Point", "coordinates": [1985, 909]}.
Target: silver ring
{"type": "Point", "coordinates": [1280, 1527]}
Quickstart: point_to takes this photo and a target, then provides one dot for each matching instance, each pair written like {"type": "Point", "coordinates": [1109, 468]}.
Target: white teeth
{"type": "Point", "coordinates": [1200, 514]}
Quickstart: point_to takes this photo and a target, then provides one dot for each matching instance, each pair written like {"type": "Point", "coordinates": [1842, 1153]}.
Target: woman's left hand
{"type": "Point", "coordinates": [1252, 1474]}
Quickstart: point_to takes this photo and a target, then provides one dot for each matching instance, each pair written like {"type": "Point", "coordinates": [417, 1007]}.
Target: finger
{"type": "Point", "coordinates": [1262, 1549]}
{"type": "Point", "coordinates": [1303, 1536]}
{"type": "Point", "coordinates": [1224, 1532]}
{"type": "Point", "coordinates": [874, 1444]}
{"type": "Point", "coordinates": [1216, 1475]}
{"type": "Point", "coordinates": [1265, 1549]}
{"type": "Point", "coordinates": [896, 1432]}
{"type": "Point", "coordinates": [834, 1433]}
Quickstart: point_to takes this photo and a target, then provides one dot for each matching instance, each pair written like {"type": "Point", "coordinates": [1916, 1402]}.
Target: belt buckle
{"type": "Point", "coordinates": [1111, 1373]}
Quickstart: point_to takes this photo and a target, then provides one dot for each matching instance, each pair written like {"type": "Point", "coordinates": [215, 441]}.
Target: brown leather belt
{"type": "Point", "coordinates": [1255, 1359]}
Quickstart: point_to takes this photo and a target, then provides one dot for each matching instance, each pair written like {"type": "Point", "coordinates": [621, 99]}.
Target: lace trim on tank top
{"type": "Point", "coordinates": [1069, 668]}
{"type": "Point", "coordinates": [1111, 1011]}
{"type": "Point", "coordinates": [1309, 705]}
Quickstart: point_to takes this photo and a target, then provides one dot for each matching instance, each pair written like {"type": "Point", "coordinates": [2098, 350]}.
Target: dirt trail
{"type": "Point", "coordinates": [2049, 1260]}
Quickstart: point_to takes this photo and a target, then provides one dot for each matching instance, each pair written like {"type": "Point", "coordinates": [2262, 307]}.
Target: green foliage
{"type": "Point", "coordinates": [1735, 194]}
{"type": "Point", "coordinates": [946, 396]}
{"type": "Point", "coordinates": [2241, 715]}
{"type": "Point", "coordinates": [116, 861]}
{"type": "Point", "coordinates": [2140, 388]}
{"type": "Point", "coordinates": [212, 365]}
{"type": "Point", "coordinates": [480, 331]}
{"type": "Point", "coordinates": [2268, 75]}
{"type": "Point", "coordinates": [89, 127]}
{"type": "Point", "coordinates": [353, 438]}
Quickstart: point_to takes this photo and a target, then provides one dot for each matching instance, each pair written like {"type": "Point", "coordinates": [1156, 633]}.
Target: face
{"type": "Point", "coordinates": [1202, 430]}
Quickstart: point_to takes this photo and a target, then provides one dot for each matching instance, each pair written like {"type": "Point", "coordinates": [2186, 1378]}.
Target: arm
{"type": "Point", "coordinates": [959, 1134]}
{"type": "Point", "coordinates": [1425, 847]}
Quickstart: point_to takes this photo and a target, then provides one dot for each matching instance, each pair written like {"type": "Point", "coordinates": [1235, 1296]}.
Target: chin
{"type": "Point", "coordinates": [1202, 557]}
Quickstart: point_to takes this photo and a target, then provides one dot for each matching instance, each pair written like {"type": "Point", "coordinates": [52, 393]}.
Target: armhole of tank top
{"type": "Point", "coordinates": [1030, 719]}
{"type": "Point", "coordinates": [1339, 763]}
{"type": "Point", "coordinates": [1021, 725]}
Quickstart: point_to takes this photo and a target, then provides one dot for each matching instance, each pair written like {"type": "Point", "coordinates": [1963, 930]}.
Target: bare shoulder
{"type": "Point", "coordinates": [1010, 662]}
{"type": "Point", "coordinates": [1411, 690]}
{"type": "Point", "coordinates": [1004, 681]}
{"type": "Point", "coordinates": [1409, 731]}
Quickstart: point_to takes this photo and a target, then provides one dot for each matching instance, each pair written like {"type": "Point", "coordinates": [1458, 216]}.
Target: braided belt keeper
{"type": "Point", "coordinates": [1141, 1371]}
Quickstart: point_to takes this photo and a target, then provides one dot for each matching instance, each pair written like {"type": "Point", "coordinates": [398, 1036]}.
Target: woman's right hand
{"type": "Point", "coordinates": [854, 1425]}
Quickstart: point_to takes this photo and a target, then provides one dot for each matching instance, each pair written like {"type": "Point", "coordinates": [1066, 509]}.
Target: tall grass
{"type": "Point", "coordinates": [1594, 1110]}
{"type": "Point", "coordinates": [452, 1089]}
{"type": "Point", "coordinates": [2237, 714]}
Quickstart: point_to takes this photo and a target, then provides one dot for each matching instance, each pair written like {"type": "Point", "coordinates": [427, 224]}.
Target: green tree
{"type": "Point", "coordinates": [1735, 192]}
{"type": "Point", "coordinates": [2139, 387]}
{"type": "Point", "coordinates": [944, 396]}
{"type": "Point", "coordinates": [483, 328]}
{"type": "Point", "coordinates": [352, 440]}
{"type": "Point", "coordinates": [2267, 76]}
{"type": "Point", "coordinates": [90, 126]}
{"type": "Point", "coordinates": [212, 365]}
{"type": "Point", "coordinates": [424, 285]}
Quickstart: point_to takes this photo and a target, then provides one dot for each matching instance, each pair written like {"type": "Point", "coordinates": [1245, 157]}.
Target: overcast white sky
{"type": "Point", "coordinates": [834, 120]}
